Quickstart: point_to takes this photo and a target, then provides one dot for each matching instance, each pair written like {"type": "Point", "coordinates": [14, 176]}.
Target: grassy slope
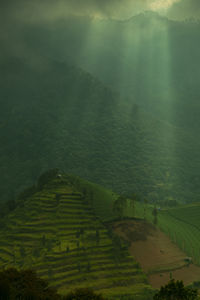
{"type": "Point", "coordinates": [38, 234]}
{"type": "Point", "coordinates": [181, 224]}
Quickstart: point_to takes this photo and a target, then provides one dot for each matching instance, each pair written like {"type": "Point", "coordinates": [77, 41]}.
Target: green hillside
{"type": "Point", "coordinates": [148, 58]}
{"type": "Point", "coordinates": [55, 232]}
{"type": "Point", "coordinates": [181, 224]}
{"type": "Point", "coordinates": [60, 116]}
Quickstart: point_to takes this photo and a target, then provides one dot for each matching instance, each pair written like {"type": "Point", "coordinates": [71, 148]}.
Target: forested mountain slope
{"type": "Point", "coordinates": [149, 59]}
{"type": "Point", "coordinates": [55, 115]}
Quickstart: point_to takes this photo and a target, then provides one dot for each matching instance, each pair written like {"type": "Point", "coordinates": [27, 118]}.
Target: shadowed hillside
{"type": "Point", "coordinates": [148, 58]}
{"type": "Point", "coordinates": [55, 115]}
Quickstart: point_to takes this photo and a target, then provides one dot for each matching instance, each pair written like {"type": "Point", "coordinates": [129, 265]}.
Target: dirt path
{"type": "Point", "coordinates": [157, 255]}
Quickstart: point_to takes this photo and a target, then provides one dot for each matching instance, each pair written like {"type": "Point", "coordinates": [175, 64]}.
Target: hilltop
{"type": "Point", "coordinates": [54, 231]}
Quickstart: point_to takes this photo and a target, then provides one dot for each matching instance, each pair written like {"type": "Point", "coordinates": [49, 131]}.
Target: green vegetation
{"type": "Point", "coordinates": [151, 66]}
{"type": "Point", "coordinates": [59, 116]}
{"type": "Point", "coordinates": [175, 290]}
{"type": "Point", "coordinates": [133, 129]}
{"type": "Point", "coordinates": [85, 294]}
{"type": "Point", "coordinates": [181, 223]}
{"type": "Point", "coordinates": [26, 285]}
{"type": "Point", "coordinates": [55, 232]}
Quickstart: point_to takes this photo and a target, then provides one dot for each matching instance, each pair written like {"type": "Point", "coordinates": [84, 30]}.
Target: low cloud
{"type": "Point", "coordinates": [51, 10]}
{"type": "Point", "coordinates": [16, 14]}
{"type": "Point", "coordinates": [185, 9]}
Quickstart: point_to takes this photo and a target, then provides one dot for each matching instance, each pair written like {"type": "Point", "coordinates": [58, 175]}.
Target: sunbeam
{"type": "Point", "coordinates": [162, 5]}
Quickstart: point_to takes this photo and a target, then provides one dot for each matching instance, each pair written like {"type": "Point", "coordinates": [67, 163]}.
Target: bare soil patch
{"type": "Point", "coordinates": [158, 256]}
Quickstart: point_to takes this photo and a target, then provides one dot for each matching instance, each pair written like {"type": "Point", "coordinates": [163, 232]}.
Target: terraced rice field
{"type": "Point", "coordinates": [182, 224]}
{"type": "Point", "coordinates": [57, 234]}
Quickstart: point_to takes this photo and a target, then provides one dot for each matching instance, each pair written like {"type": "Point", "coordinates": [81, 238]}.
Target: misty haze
{"type": "Point", "coordinates": [100, 149]}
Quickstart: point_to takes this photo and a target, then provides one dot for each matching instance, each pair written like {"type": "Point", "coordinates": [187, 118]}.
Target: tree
{"type": "Point", "coordinates": [43, 240]}
{"type": "Point", "coordinates": [78, 244]}
{"type": "Point", "coordinates": [145, 207]}
{"type": "Point", "coordinates": [117, 247]}
{"type": "Point", "coordinates": [77, 234]}
{"type": "Point", "coordinates": [79, 266]}
{"type": "Point", "coordinates": [36, 251]}
{"type": "Point", "coordinates": [88, 267]}
{"type": "Point", "coordinates": [50, 273]}
{"type": "Point", "coordinates": [175, 290]}
{"type": "Point", "coordinates": [11, 204]}
{"type": "Point", "coordinates": [91, 198]}
{"type": "Point", "coordinates": [28, 192]}
{"type": "Point", "coordinates": [155, 215]}
{"type": "Point", "coordinates": [24, 284]}
{"type": "Point", "coordinates": [49, 245]}
{"type": "Point", "coordinates": [118, 206]}
{"type": "Point", "coordinates": [84, 191]}
{"type": "Point", "coordinates": [46, 177]}
{"type": "Point", "coordinates": [4, 289]}
{"type": "Point", "coordinates": [82, 231]}
{"type": "Point", "coordinates": [57, 198]}
{"type": "Point", "coordinates": [22, 251]}
{"type": "Point", "coordinates": [97, 236]}
{"type": "Point", "coordinates": [133, 197]}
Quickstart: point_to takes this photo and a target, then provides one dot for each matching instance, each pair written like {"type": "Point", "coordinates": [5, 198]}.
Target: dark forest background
{"type": "Point", "coordinates": [115, 102]}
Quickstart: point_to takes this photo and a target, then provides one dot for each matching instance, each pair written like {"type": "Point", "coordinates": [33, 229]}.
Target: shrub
{"type": "Point", "coordinates": [83, 293]}
{"type": "Point", "coordinates": [175, 290]}
{"type": "Point", "coordinates": [46, 177]}
{"type": "Point", "coordinates": [23, 285]}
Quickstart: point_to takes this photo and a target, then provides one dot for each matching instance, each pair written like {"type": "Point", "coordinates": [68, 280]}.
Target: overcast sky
{"type": "Point", "coordinates": [51, 10]}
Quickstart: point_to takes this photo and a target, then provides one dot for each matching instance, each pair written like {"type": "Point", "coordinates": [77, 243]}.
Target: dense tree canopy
{"type": "Point", "coordinates": [23, 285]}
{"type": "Point", "coordinates": [26, 285]}
{"type": "Point", "coordinates": [175, 290]}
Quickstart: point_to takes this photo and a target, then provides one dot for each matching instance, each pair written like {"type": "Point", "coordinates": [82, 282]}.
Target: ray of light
{"type": "Point", "coordinates": [140, 67]}
{"type": "Point", "coordinates": [145, 73]}
{"type": "Point", "coordinates": [159, 5]}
